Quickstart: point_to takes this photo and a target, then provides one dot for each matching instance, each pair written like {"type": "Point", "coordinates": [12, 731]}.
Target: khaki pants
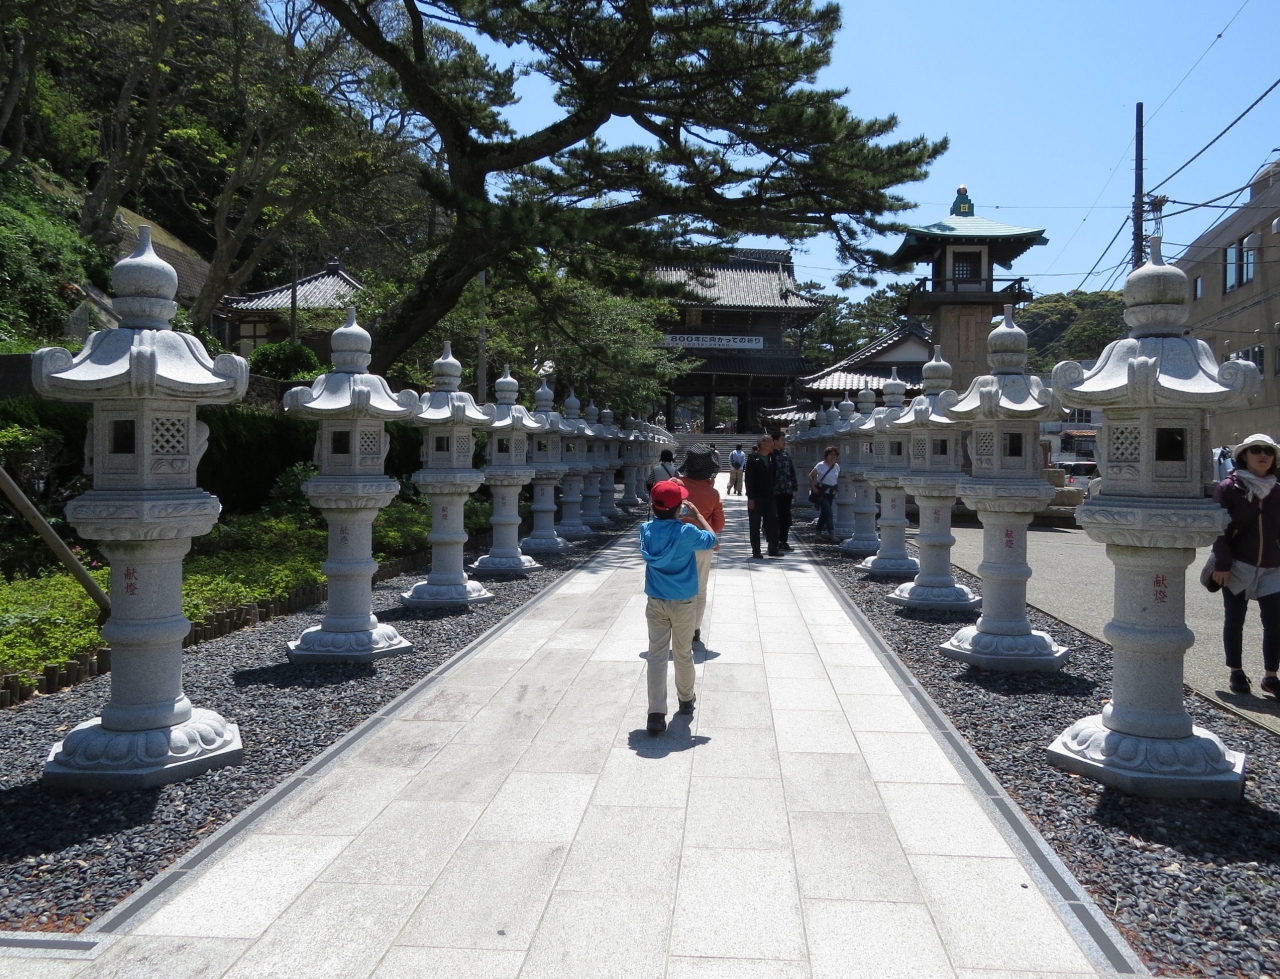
{"type": "Point", "coordinates": [671, 625]}
{"type": "Point", "coordinates": [704, 575]}
{"type": "Point", "coordinates": [735, 481]}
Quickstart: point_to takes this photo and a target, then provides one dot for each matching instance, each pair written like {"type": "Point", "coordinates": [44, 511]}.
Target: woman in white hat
{"type": "Point", "coordinates": [1247, 558]}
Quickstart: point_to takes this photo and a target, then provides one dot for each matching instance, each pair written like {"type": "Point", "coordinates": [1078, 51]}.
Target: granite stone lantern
{"type": "Point", "coordinates": [611, 461]}
{"type": "Point", "coordinates": [352, 407]}
{"type": "Point", "coordinates": [1154, 387]}
{"type": "Point", "coordinates": [548, 469]}
{"type": "Point", "coordinates": [843, 503]}
{"type": "Point", "coordinates": [447, 478]}
{"type": "Point", "coordinates": [506, 470]}
{"type": "Point", "coordinates": [144, 381]}
{"type": "Point", "coordinates": [890, 464]}
{"type": "Point", "coordinates": [573, 451]}
{"type": "Point", "coordinates": [1004, 410]}
{"type": "Point", "coordinates": [858, 456]}
{"type": "Point", "coordinates": [936, 454]}
{"type": "Point", "coordinates": [631, 449]}
{"type": "Point", "coordinates": [595, 440]}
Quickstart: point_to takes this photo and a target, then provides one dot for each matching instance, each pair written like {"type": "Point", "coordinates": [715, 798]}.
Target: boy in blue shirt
{"type": "Point", "coordinates": [671, 582]}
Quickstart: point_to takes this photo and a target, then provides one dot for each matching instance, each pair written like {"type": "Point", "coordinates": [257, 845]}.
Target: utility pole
{"type": "Point", "coordinates": [482, 372]}
{"type": "Point", "coordinates": [1139, 251]}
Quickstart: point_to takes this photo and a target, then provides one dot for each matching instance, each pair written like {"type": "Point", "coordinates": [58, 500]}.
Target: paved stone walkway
{"type": "Point", "coordinates": [1072, 580]}
{"type": "Point", "coordinates": [513, 819]}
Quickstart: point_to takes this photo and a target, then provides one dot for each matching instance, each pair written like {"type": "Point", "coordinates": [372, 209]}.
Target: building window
{"type": "Point", "coordinates": [967, 266]}
{"type": "Point", "coordinates": [1080, 416]}
{"type": "Point", "coordinates": [252, 335]}
{"type": "Point", "coordinates": [1197, 287]}
{"type": "Point", "coordinates": [1257, 354]}
{"type": "Point", "coordinates": [1240, 262]}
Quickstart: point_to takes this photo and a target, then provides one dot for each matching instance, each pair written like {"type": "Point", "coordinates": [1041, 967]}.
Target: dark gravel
{"type": "Point", "coordinates": [66, 858]}
{"type": "Point", "coordinates": [1191, 884]}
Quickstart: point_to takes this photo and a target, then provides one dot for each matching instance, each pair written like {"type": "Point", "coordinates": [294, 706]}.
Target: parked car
{"type": "Point", "coordinates": [1079, 474]}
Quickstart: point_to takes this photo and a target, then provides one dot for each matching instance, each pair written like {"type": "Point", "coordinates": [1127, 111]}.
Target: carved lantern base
{"type": "Point", "coordinates": [95, 758]}
{"type": "Point", "coordinates": [891, 560]}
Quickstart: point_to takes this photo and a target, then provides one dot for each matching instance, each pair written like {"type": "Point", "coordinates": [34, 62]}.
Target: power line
{"type": "Point", "coordinates": [1224, 132]}
{"type": "Point", "coordinates": [1104, 251]}
{"type": "Point", "coordinates": [1217, 37]}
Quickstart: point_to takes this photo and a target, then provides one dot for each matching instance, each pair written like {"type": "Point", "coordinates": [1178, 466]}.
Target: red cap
{"type": "Point", "coordinates": [668, 494]}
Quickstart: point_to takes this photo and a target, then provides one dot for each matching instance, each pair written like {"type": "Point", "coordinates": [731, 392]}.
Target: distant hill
{"type": "Point", "coordinates": [1071, 326]}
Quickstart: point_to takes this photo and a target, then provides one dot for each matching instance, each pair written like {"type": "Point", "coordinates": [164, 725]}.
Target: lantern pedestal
{"type": "Point", "coordinates": [148, 734]}
{"type": "Point", "coordinates": [543, 539]}
{"type": "Point", "coordinates": [608, 509]}
{"type": "Point", "coordinates": [891, 559]}
{"type": "Point", "coordinates": [571, 526]}
{"type": "Point", "coordinates": [864, 540]}
{"type": "Point", "coordinates": [350, 632]}
{"type": "Point", "coordinates": [1144, 742]}
{"type": "Point", "coordinates": [591, 515]}
{"type": "Point", "coordinates": [505, 556]}
{"type": "Point", "coordinates": [630, 475]}
{"type": "Point", "coordinates": [1003, 638]}
{"type": "Point", "coordinates": [934, 588]}
{"type": "Point", "coordinates": [447, 584]}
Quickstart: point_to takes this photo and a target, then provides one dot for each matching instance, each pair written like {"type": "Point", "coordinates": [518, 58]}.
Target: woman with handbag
{"type": "Point", "coordinates": [822, 489]}
{"type": "Point", "coordinates": [1246, 558]}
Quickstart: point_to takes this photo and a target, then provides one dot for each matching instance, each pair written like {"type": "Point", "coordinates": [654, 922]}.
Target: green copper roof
{"type": "Point", "coordinates": [1008, 241]}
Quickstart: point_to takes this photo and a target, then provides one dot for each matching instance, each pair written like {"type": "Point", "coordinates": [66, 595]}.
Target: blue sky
{"type": "Point", "coordinates": [1038, 101]}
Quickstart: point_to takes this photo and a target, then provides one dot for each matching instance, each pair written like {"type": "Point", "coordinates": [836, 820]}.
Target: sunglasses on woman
{"type": "Point", "coordinates": [1264, 450]}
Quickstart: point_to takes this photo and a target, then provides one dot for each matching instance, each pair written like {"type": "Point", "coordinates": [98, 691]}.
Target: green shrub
{"type": "Point", "coordinates": [46, 619]}
{"type": "Point", "coordinates": [286, 361]}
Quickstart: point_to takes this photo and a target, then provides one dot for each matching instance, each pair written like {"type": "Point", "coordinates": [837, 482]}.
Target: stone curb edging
{"type": "Point", "coordinates": [112, 926]}
{"type": "Point", "coordinates": [1098, 938]}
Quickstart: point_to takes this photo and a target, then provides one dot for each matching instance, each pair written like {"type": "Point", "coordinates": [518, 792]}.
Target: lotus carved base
{"type": "Point", "coordinates": [317, 646]}
{"type": "Point", "coordinates": [545, 545]}
{"type": "Point", "coordinates": [957, 598]}
{"type": "Point", "coordinates": [507, 565]}
{"type": "Point", "coordinates": [887, 567]}
{"type": "Point", "coordinates": [95, 758]}
{"type": "Point", "coordinates": [426, 595]}
{"type": "Point", "coordinates": [1007, 654]}
{"type": "Point", "coordinates": [1195, 767]}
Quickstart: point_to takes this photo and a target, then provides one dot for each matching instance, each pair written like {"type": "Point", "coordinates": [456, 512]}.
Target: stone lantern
{"type": "Point", "coordinates": [545, 456]}
{"type": "Point", "coordinates": [936, 454]}
{"type": "Point", "coordinates": [352, 407]}
{"type": "Point", "coordinates": [1004, 410]}
{"type": "Point", "coordinates": [573, 449]}
{"type": "Point", "coordinates": [857, 456]}
{"type": "Point", "coordinates": [1154, 388]}
{"type": "Point", "coordinates": [842, 515]}
{"type": "Point", "coordinates": [890, 464]}
{"type": "Point", "coordinates": [144, 443]}
{"type": "Point", "coordinates": [612, 460]}
{"type": "Point", "coordinates": [630, 454]}
{"type": "Point", "coordinates": [595, 439]}
{"type": "Point", "coordinates": [447, 478]}
{"type": "Point", "coordinates": [506, 470]}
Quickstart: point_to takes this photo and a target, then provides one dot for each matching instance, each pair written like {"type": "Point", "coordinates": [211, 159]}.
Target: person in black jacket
{"type": "Point", "coordinates": [784, 486]}
{"type": "Point", "coordinates": [762, 505]}
{"type": "Point", "coordinates": [1247, 558]}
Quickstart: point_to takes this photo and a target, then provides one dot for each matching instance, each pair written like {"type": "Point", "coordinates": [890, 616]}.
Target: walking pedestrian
{"type": "Point", "coordinates": [1247, 558]}
{"type": "Point", "coordinates": [700, 480]}
{"type": "Point", "coordinates": [822, 489]}
{"type": "Point", "coordinates": [737, 461]}
{"type": "Point", "coordinates": [762, 507]}
{"type": "Point", "coordinates": [784, 486]}
{"type": "Point", "coordinates": [668, 547]}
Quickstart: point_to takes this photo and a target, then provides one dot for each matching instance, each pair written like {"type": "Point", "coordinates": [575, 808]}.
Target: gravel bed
{"type": "Point", "coordinates": [1191, 884]}
{"type": "Point", "coordinates": [66, 858]}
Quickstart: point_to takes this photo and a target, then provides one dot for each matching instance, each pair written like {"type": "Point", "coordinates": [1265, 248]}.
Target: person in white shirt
{"type": "Point", "coordinates": [822, 489]}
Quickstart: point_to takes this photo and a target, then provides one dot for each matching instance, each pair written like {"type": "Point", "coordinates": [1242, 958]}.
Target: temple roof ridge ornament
{"type": "Point", "coordinates": [1156, 364]}
{"type": "Point", "coordinates": [444, 404]}
{"type": "Point", "coordinates": [348, 391]}
{"type": "Point", "coordinates": [1009, 392]}
{"type": "Point", "coordinates": [543, 409]}
{"type": "Point", "coordinates": [145, 357]}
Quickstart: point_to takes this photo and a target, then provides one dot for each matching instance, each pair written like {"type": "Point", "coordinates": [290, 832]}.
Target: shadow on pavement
{"type": "Point", "coordinates": [678, 737]}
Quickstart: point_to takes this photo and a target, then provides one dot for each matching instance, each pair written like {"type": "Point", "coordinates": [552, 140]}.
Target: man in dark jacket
{"type": "Point", "coordinates": [784, 486]}
{"type": "Point", "coordinates": [762, 505]}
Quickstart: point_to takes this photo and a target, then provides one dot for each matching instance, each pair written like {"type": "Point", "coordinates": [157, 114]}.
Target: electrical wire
{"type": "Point", "coordinates": [1271, 88]}
{"type": "Point", "coordinates": [1216, 39]}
